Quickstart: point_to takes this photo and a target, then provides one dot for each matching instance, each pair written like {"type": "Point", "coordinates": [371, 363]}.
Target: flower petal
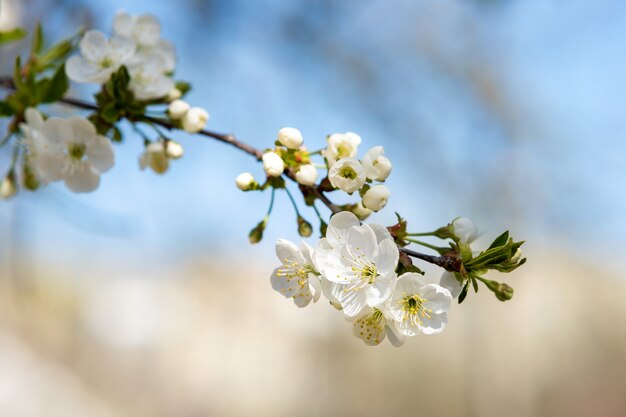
{"type": "Point", "coordinates": [93, 46]}
{"type": "Point", "coordinates": [339, 225]}
{"type": "Point", "coordinates": [380, 291]}
{"type": "Point", "coordinates": [100, 154]}
{"type": "Point", "coordinates": [361, 242]}
{"type": "Point", "coordinates": [438, 299]}
{"type": "Point", "coordinates": [288, 287]}
{"type": "Point", "coordinates": [83, 179]}
{"type": "Point", "coordinates": [448, 280]}
{"type": "Point", "coordinates": [434, 324]}
{"type": "Point", "coordinates": [121, 49]}
{"type": "Point", "coordinates": [288, 253]}
{"type": "Point", "coordinates": [80, 70]}
{"type": "Point", "coordinates": [387, 258]}
{"type": "Point", "coordinates": [353, 302]}
{"type": "Point", "coordinates": [123, 24]}
{"type": "Point", "coordinates": [394, 334]}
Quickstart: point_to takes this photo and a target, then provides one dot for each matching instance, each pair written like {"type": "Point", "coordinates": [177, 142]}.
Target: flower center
{"type": "Point", "coordinates": [76, 151]}
{"type": "Point", "coordinates": [413, 309]}
{"type": "Point", "coordinates": [293, 270]}
{"type": "Point", "coordinates": [348, 172]}
{"type": "Point", "coordinates": [371, 327]}
{"type": "Point", "coordinates": [344, 150]}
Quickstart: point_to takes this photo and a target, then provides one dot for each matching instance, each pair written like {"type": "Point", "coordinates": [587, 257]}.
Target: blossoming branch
{"type": "Point", "coordinates": [366, 271]}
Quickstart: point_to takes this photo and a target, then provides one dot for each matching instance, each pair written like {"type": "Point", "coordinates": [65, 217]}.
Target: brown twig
{"type": "Point", "coordinates": [448, 263]}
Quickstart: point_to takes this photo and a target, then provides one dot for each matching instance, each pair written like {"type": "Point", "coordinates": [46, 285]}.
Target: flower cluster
{"type": "Point", "coordinates": [354, 267]}
{"type": "Point", "coordinates": [367, 271]}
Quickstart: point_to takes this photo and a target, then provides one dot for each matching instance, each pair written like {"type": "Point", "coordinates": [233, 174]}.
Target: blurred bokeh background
{"type": "Point", "coordinates": [145, 298]}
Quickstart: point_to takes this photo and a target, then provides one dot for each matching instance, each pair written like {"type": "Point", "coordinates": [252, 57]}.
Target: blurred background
{"type": "Point", "coordinates": [146, 299]}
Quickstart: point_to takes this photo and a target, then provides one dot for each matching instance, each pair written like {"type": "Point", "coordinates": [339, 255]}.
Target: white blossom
{"type": "Point", "coordinates": [361, 211]}
{"type": "Point", "coordinates": [68, 150]}
{"type": "Point", "coordinates": [273, 164]}
{"type": "Point", "coordinates": [149, 79]}
{"type": "Point", "coordinates": [195, 120]}
{"type": "Point", "coordinates": [464, 230]}
{"type": "Point", "coordinates": [245, 181]}
{"type": "Point", "coordinates": [157, 155]}
{"type": "Point", "coordinates": [374, 324]}
{"type": "Point", "coordinates": [360, 260]}
{"type": "Point", "coordinates": [99, 57]}
{"type": "Point", "coordinates": [449, 281]}
{"type": "Point", "coordinates": [297, 277]}
{"type": "Point", "coordinates": [376, 197]}
{"type": "Point", "coordinates": [307, 174]}
{"type": "Point", "coordinates": [177, 109]}
{"type": "Point", "coordinates": [419, 306]}
{"type": "Point", "coordinates": [341, 145]}
{"type": "Point", "coordinates": [347, 174]}
{"type": "Point", "coordinates": [290, 137]}
{"type": "Point", "coordinates": [377, 167]}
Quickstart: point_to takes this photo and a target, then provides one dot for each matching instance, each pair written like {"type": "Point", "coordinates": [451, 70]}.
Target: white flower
{"type": "Point", "coordinates": [157, 155]}
{"type": "Point", "coordinates": [148, 78]}
{"type": "Point", "coordinates": [177, 109]}
{"type": "Point", "coordinates": [419, 306]}
{"type": "Point", "coordinates": [373, 324]}
{"type": "Point", "coordinates": [347, 174]}
{"type": "Point", "coordinates": [360, 260]}
{"type": "Point", "coordinates": [376, 197]}
{"type": "Point", "coordinates": [69, 150]}
{"type": "Point", "coordinates": [307, 174]}
{"type": "Point", "coordinates": [245, 181]}
{"type": "Point", "coordinates": [195, 120]}
{"type": "Point", "coordinates": [99, 57]}
{"type": "Point", "coordinates": [145, 30]}
{"type": "Point", "coordinates": [290, 137]}
{"type": "Point", "coordinates": [273, 164]}
{"type": "Point", "coordinates": [341, 145]}
{"type": "Point", "coordinates": [297, 276]}
{"type": "Point", "coordinates": [7, 187]}
{"type": "Point", "coordinates": [377, 167]}
{"type": "Point", "coordinates": [464, 230]}
{"type": "Point", "coordinates": [449, 281]}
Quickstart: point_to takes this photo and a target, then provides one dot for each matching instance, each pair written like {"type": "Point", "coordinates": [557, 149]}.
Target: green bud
{"type": "Point", "coordinates": [304, 228]}
{"type": "Point", "coordinates": [8, 187]}
{"type": "Point", "coordinates": [323, 228]}
{"type": "Point", "coordinates": [256, 234]}
{"type": "Point", "coordinates": [31, 182]}
{"type": "Point", "coordinates": [502, 291]}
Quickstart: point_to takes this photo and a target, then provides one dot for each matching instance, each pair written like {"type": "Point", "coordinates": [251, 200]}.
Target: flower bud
{"type": "Point", "coordinates": [290, 137]}
{"type": "Point", "coordinates": [195, 120]}
{"type": "Point", "coordinates": [7, 187]}
{"type": "Point", "coordinates": [464, 230]}
{"type": "Point", "coordinates": [377, 167]}
{"type": "Point", "coordinates": [517, 256]}
{"type": "Point", "coordinates": [177, 109]}
{"type": "Point", "coordinates": [174, 94]}
{"type": "Point", "coordinates": [304, 228]}
{"type": "Point", "coordinates": [173, 150]}
{"type": "Point", "coordinates": [307, 174]}
{"type": "Point", "coordinates": [245, 181]}
{"type": "Point", "coordinates": [273, 164]}
{"type": "Point", "coordinates": [502, 291]}
{"type": "Point", "coordinates": [155, 157]}
{"type": "Point", "coordinates": [256, 234]}
{"type": "Point", "coordinates": [360, 211]}
{"type": "Point", "coordinates": [376, 198]}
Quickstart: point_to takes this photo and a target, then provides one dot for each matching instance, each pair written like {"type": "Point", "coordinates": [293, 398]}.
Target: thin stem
{"type": "Point", "coordinates": [293, 202]}
{"type": "Point", "coordinates": [421, 234]}
{"type": "Point", "coordinates": [419, 242]}
{"type": "Point", "coordinates": [269, 210]}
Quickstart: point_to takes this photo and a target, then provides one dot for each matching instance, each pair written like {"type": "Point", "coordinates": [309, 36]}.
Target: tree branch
{"type": "Point", "coordinates": [448, 263]}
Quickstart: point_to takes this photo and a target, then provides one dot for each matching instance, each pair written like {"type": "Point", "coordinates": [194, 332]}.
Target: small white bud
{"type": "Point", "coordinates": [195, 119]}
{"type": "Point", "coordinates": [273, 164]}
{"type": "Point", "coordinates": [377, 167]}
{"type": "Point", "coordinates": [155, 157]}
{"type": "Point", "coordinates": [174, 150]}
{"type": "Point", "coordinates": [376, 197]}
{"type": "Point", "coordinates": [464, 230]}
{"type": "Point", "coordinates": [307, 174]}
{"type": "Point", "coordinates": [517, 256]}
{"type": "Point", "coordinates": [245, 181]}
{"type": "Point", "coordinates": [7, 187]}
{"type": "Point", "coordinates": [177, 109]}
{"type": "Point", "coordinates": [290, 137]}
{"type": "Point", "coordinates": [174, 94]}
{"type": "Point", "coordinates": [347, 174]}
{"type": "Point", "coordinates": [360, 211]}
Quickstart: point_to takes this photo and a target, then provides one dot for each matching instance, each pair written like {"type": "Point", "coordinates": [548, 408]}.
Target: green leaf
{"type": "Point", "coordinates": [116, 134]}
{"type": "Point", "coordinates": [57, 86]}
{"type": "Point", "coordinates": [474, 283]}
{"type": "Point", "coordinates": [12, 36]}
{"type": "Point", "coordinates": [17, 73]}
{"type": "Point", "coordinates": [37, 45]}
{"type": "Point", "coordinates": [57, 52]}
{"type": "Point", "coordinates": [500, 240]}
{"type": "Point", "coordinates": [183, 87]}
{"type": "Point", "coordinates": [5, 109]}
{"type": "Point", "coordinates": [110, 113]}
{"type": "Point", "coordinates": [464, 291]}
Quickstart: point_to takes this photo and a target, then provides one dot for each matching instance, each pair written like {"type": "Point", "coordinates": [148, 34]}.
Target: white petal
{"type": "Point", "coordinates": [380, 291]}
{"type": "Point", "coordinates": [93, 46]}
{"type": "Point", "coordinates": [361, 242]}
{"type": "Point", "coordinates": [438, 299]}
{"type": "Point", "coordinates": [449, 281]}
{"type": "Point", "coordinates": [370, 331]}
{"type": "Point", "coordinates": [83, 179]}
{"type": "Point", "coordinates": [147, 30]}
{"type": "Point", "coordinates": [394, 334]}
{"type": "Point", "coordinates": [315, 287]}
{"type": "Point", "coordinates": [381, 232]}
{"type": "Point", "coordinates": [387, 258]}
{"type": "Point", "coordinates": [339, 225]}
{"type": "Point", "coordinates": [123, 24]}
{"type": "Point", "coordinates": [51, 166]}
{"type": "Point", "coordinates": [353, 302]}
{"type": "Point", "coordinates": [287, 252]}
{"type": "Point", "coordinates": [121, 49]}
{"type": "Point", "coordinates": [34, 118]}
{"type": "Point", "coordinates": [284, 285]}
{"type": "Point", "coordinates": [303, 299]}
{"type": "Point", "coordinates": [78, 69]}
{"type": "Point", "coordinates": [100, 154]}
{"type": "Point", "coordinates": [435, 324]}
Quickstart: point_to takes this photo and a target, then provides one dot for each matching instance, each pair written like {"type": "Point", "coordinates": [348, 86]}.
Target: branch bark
{"type": "Point", "coordinates": [448, 263]}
